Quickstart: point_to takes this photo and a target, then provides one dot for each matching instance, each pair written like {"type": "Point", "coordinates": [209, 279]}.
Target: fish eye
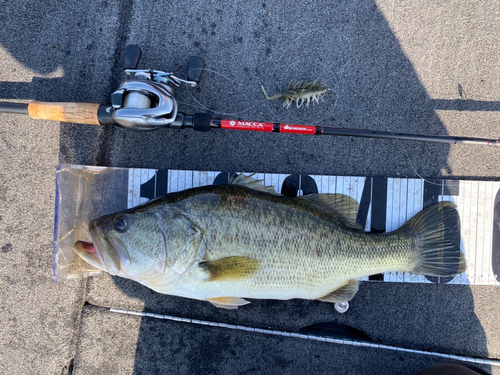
{"type": "Point", "coordinates": [121, 224]}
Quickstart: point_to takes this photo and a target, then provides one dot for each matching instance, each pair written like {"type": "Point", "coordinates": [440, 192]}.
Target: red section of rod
{"type": "Point", "coordinates": [269, 127]}
{"type": "Point", "coordinates": [297, 129]}
{"type": "Point", "coordinates": [247, 125]}
{"type": "Point", "coordinates": [320, 130]}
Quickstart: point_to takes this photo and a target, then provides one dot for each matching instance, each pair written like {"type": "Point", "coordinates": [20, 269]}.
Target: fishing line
{"type": "Point", "coordinates": [331, 91]}
{"type": "Point", "coordinates": [328, 75]}
{"type": "Point", "coordinates": [216, 111]}
{"type": "Point", "coordinates": [415, 170]}
{"type": "Point", "coordinates": [300, 68]}
{"type": "Point", "coordinates": [366, 344]}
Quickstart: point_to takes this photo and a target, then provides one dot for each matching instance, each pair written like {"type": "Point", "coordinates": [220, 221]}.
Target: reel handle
{"type": "Point", "coordinates": [195, 68]}
{"type": "Point", "coordinates": [132, 55]}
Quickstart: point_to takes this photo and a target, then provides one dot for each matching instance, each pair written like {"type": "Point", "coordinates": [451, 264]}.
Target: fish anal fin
{"type": "Point", "coordinates": [230, 303]}
{"type": "Point", "coordinates": [342, 294]}
{"type": "Point", "coordinates": [230, 269]}
{"type": "Point", "coordinates": [252, 183]}
{"type": "Point", "coordinates": [345, 207]}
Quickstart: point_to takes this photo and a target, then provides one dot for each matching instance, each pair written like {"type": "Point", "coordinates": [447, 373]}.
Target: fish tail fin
{"type": "Point", "coordinates": [436, 236]}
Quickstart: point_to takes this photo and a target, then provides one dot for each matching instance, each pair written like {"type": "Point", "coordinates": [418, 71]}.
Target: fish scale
{"type": "Point", "coordinates": [296, 256]}
{"type": "Point", "coordinates": [222, 243]}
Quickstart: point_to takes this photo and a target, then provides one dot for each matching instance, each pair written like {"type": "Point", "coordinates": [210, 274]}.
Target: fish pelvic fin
{"type": "Point", "coordinates": [230, 303]}
{"type": "Point", "coordinates": [344, 208]}
{"type": "Point", "coordinates": [344, 293]}
{"type": "Point", "coordinates": [436, 237]}
{"type": "Point", "coordinates": [230, 269]}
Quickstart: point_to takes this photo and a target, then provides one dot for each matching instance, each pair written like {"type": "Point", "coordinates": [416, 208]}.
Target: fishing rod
{"type": "Point", "coordinates": [146, 101]}
{"type": "Point", "coordinates": [313, 335]}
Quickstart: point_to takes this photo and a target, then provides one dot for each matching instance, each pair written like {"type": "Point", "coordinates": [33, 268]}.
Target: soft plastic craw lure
{"type": "Point", "coordinates": [301, 93]}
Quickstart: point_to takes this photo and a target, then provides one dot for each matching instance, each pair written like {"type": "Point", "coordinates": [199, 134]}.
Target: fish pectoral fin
{"type": "Point", "coordinates": [251, 183]}
{"type": "Point", "coordinates": [343, 294]}
{"type": "Point", "coordinates": [230, 269]}
{"type": "Point", "coordinates": [342, 206]}
{"type": "Point", "coordinates": [230, 303]}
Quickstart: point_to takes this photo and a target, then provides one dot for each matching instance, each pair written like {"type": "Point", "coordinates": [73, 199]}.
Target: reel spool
{"type": "Point", "coordinates": [146, 100]}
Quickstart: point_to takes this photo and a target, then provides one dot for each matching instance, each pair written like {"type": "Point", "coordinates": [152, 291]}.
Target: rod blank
{"type": "Point", "coordinates": [95, 114]}
{"type": "Point", "coordinates": [18, 108]}
{"type": "Point", "coordinates": [408, 137]}
{"type": "Point", "coordinates": [487, 361]}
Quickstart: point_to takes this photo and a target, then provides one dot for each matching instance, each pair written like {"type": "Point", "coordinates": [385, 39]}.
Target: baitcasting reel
{"type": "Point", "coordinates": [146, 100]}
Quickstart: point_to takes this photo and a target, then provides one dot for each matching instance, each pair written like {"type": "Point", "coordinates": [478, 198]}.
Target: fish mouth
{"type": "Point", "coordinates": [88, 247]}
{"type": "Point", "coordinates": [103, 253]}
{"type": "Point", "coordinates": [88, 252]}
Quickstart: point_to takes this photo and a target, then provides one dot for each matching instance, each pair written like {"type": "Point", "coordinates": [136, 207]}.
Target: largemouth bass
{"type": "Point", "coordinates": [224, 243]}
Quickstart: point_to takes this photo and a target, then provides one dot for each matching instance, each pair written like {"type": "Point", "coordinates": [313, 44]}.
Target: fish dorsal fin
{"type": "Point", "coordinates": [230, 269]}
{"type": "Point", "coordinates": [251, 183]}
{"type": "Point", "coordinates": [230, 303]}
{"type": "Point", "coordinates": [343, 294]}
{"type": "Point", "coordinates": [344, 207]}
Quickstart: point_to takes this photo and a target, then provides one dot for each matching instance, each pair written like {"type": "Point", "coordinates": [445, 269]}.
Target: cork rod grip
{"type": "Point", "coordinates": [80, 113]}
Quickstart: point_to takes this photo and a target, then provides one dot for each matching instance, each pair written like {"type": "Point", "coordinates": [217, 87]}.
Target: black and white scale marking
{"type": "Point", "coordinates": [384, 205]}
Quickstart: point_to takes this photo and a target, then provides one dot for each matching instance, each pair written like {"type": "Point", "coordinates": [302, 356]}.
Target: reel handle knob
{"type": "Point", "coordinates": [132, 56]}
{"type": "Point", "coordinates": [195, 68]}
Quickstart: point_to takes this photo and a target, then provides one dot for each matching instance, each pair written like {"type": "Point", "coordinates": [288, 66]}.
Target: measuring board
{"type": "Point", "coordinates": [384, 205]}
